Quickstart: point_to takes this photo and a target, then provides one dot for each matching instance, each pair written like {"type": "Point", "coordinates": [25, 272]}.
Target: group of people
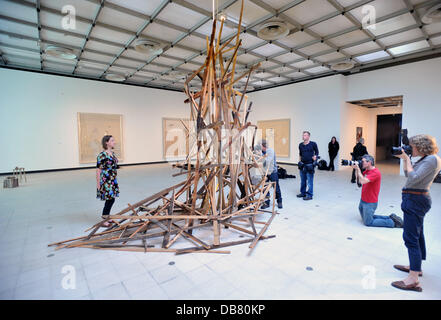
{"type": "Point", "coordinates": [416, 200]}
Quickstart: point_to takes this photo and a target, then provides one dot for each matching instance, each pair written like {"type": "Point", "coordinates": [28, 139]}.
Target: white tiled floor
{"type": "Point", "coordinates": [61, 205]}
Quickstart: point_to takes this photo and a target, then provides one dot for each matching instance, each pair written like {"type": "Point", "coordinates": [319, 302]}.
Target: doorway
{"type": "Point", "coordinates": [388, 136]}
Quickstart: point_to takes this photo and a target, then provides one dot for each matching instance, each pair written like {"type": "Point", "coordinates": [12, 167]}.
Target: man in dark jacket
{"type": "Point", "coordinates": [358, 152]}
{"type": "Point", "coordinates": [308, 155]}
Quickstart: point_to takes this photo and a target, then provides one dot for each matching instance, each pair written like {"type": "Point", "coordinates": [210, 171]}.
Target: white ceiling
{"type": "Point", "coordinates": [322, 32]}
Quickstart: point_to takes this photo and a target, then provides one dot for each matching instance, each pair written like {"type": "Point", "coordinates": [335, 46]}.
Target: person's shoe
{"type": "Point", "coordinates": [397, 220]}
{"type": "Point", "coordinates": [279, 205]}
{"type": "Point", "coordinates": [410, 287]}
{"type": "Point", "coordinates": [405, 269]}
{"type": "Point", "coordinates": [306, 198]}
{"type": "Point", "coordinates": [300, 195]}
{"type": "Point", "coordinates": [264, 206]}
{"type": "Point", "coordinates": [352, 181]}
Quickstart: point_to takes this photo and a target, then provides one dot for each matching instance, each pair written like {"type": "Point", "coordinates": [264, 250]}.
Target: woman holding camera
{"type": "Point", "coordinates": [416, 202]}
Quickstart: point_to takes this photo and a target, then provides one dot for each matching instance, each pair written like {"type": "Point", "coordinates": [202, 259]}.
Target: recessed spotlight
{"type": "Point", "coordinates": [115, 77]}
{"type": "Point", "coordinates": [60, 52]}
{"type": "Point", "coordinates": [273, 30]}
{"type": "Point", "coordinates": [149, 47]}
{"type": "Point", "coordinates": [432, 14]}
{"type": "Point", "coordinates": [343, 66]}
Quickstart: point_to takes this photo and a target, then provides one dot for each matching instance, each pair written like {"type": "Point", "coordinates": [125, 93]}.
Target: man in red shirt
{"type": "Point", "coordinates": [371, 181]}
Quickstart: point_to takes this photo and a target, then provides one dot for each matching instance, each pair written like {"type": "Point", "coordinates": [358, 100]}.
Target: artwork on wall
{"type": "Point", "coordinates": [358, 134]}
{"type": "Point", "coordinates": [92, 127]}
{"type": "Point", "coordinates": [277, 134]}
{"type": "Point", "coordinates": [175, 142]}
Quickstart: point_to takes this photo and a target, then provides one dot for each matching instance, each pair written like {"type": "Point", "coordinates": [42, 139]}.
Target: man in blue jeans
{"type": "Point", "coordinates": [371, 181]}
{"type": "Point", "coordinates": [308, 151]}
{"type": "Point", "coordinates": [273, 176]}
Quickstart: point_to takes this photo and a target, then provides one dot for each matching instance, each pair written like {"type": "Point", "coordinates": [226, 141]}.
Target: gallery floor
{"type": "Point", "coordinates": [321, 249]}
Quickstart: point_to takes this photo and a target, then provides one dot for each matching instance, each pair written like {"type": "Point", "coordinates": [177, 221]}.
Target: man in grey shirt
{"type": "Point", "coordinates": [270, 164]}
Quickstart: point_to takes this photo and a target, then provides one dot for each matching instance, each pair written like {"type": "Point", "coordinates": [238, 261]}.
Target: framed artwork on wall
{"type": "Point", "coordinates": [358, 134]}
{"type": "Point", "coordinates": [277, 134]}
{"type": "Point", "coordinates": [175, 141]}
{"type": "Point", "coordinates": [92, 127]}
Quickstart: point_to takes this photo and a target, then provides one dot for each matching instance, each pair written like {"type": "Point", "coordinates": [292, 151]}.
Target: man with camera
{"type": "Point", "coordinates": [270, 164]}
{"type": "Point", "coordinates": [370, 179]}
{"type": "Point", "coordinates": [358, 152]}
{"type": "Point", "coordinates": [309, 154]}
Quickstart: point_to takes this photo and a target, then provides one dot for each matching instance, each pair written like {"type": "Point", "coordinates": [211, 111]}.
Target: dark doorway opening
{"type": "Point", "coordinates": [388, 136]}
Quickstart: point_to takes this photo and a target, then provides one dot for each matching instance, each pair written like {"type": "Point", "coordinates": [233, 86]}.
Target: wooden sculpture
{"type": "Point", "coordinates": [218, 189]}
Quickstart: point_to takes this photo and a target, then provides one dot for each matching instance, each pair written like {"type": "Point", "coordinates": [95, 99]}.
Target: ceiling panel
{"type": "Point", "coordinates": [49, 19]}
{"type": "Point", "coordinates": [288, 57]}
{"type": "Point", "coordinates": [303, 64]}
{"type": "Point", "coordinates": [401, 37]}
{"type": "Point", "coordinates": [379, 8]}
{"type": "Point", "coordinates": [315, 48]}
{"type": "Point", "coordinates": [81, 8]}
{"type": "Point", "coordinates": [348, 38]}
{"type": "Point", "coordinates": [120, 19]}
{"type": "Point", "coordinates": [310, 10]}
{"type": "Point", "coordinates": [110, 35]}
{"type": "Point", "coordinates": [332, 25]}
{"type": "Point", "coordinates": [251, 14]}
{"type": "Point", "coordinates": [141, 6]}
{"type": "Point", "coordinates": [186, 23]}
{"type": "Point", "coordinates": [330, 57]}
{"type": "Point", "coordinates": [268, 50]}
{"type": "Point", "coordinates": [296, 39]}
{"type": "Point", "coordinates": [368, 46]}
{"type": "Point", "coordinates": [17, 11]}
{"type": "Point", "coordinates": [22, 29]}
{"type": "Point", "coordinates": [174, 13]}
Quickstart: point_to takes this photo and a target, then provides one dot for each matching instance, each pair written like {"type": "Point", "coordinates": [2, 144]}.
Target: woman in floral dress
{"type": "Point", "coordinates": [106, 182]}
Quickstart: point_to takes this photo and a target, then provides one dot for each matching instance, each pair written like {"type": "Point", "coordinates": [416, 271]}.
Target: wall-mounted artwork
{"type": "Point", "coordinates": [358, 134]}
{"type": "Point", "coordinates": [92, 127]}
{"type": "Point", "coordinates": [277, 133]}
{"type": "Point", "coordinates": [175, 142]}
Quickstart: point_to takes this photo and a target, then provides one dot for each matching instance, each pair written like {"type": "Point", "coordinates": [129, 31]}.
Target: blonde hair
{"type": "Point", "coordinates": [424, 143]}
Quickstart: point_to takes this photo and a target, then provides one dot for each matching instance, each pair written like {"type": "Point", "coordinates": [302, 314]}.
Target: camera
{"type": "Point", "coordinates": [405, 145]}
{"type": "Point", "coordinates": [308, 166]}
{"type": "Point", "coordinates": [351, 163]}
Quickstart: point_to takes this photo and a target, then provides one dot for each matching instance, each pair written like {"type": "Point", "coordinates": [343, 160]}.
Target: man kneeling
{"type": "Point", "coordinates": [371, 180]}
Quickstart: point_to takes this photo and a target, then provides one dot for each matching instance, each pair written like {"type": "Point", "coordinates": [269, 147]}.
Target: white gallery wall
{"type": "Point", "coordinates": [38, 112]}
{"type": "Point", "coordinates": [312, 106]}
{"type": "Point", "coordinates": [353, 116]}
{"type": "Point", "coordinates": [38, 118]}
{"type": "Point", "coordinates": [420, 85]}
{"type": "Point", "coordinates": [321, 107]}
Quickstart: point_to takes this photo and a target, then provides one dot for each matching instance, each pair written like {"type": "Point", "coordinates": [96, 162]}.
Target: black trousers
{"type": "Point", "coordinates": [108, 206]}
{"type": "Point", "coordinates": [331, 161]}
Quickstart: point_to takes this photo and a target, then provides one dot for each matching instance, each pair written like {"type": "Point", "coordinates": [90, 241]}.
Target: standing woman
{"type": "Point", "coordinates": [333, 148]}
{"type": "Point", "coordinates": [415, 204]}
{"type": "Point", "coordinates": [106, 183]}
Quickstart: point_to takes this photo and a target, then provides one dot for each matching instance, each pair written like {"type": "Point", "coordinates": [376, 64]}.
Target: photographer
{"type": "Point", "coordinates": [271, 164]}
{"type": "Point", "coordinates": [358, 152]}
{"type": "Point", "coordinates": [308, 156]}
{"type": "Point", "coordinates": [371, 181]}
{"type": "Point", "coordinates": [416, 202]}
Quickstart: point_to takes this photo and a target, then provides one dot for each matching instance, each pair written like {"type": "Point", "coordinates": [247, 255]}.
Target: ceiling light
{"type": "Point", "coordinates": [60, 52]}
{"type": "Point", "coordinates": [149, 47]}
{"type": "Point", "coordinates": [343, 66]}
{"type": "Point", "coordinates": [432, 14]}
{"type": "Point", "coordinates": [115, 77]}
{"type": "Point", "coordinates": [273, 30]}
{"type": "Point", "coordinates": [373, 56]}
{"type": "Point", "coordinates": [407, 48]}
